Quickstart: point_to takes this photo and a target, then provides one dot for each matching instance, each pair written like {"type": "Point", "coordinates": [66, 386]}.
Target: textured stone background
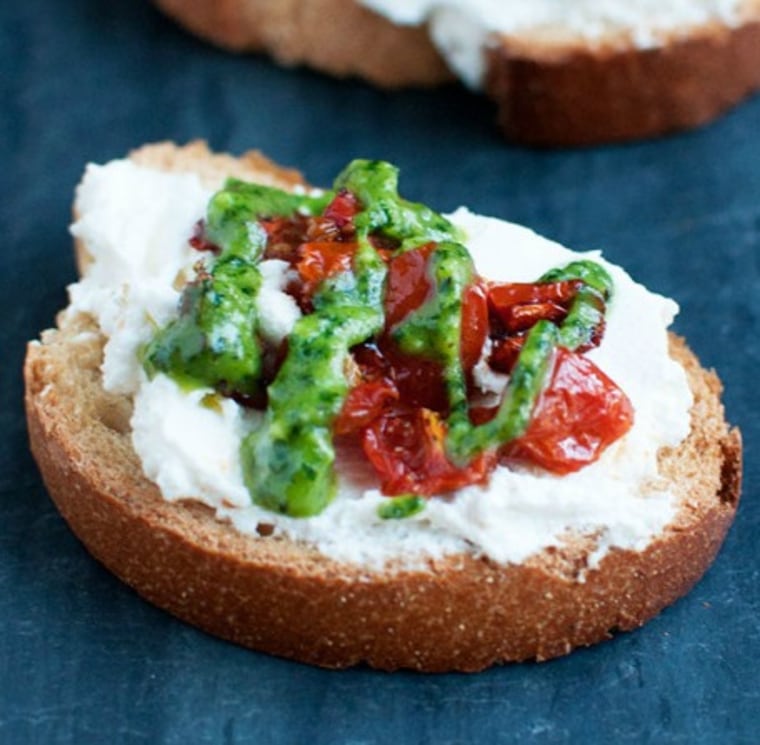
{"type": "Point", "coordinates": [84, 660]}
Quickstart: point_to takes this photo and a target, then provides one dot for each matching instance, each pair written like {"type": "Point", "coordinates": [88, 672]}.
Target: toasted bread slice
{"type": "Point", "coordinates": [552, 86]}
{"type": "Point", "coordinates": [337, 36]}
{"type": "Point", "coordinates": [563, 91]}
{"type": "Point", "coordinates": [461, 612]}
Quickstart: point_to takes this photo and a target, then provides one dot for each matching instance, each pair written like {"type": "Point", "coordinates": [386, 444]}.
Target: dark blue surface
{"type": "Point", "coordinates": [84, 660]}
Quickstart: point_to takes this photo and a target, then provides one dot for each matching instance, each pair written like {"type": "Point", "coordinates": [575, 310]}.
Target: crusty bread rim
{"type": "Point", "coordinates": [338, 36]}
{"type": "Point", "coordinates": [573, 94]}
{"type": "Point", "coordinates": [460, 613]}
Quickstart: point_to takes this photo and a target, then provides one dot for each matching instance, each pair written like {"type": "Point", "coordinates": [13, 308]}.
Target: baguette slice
{"type": "Point", "coordinates": [340, 37]}
{"type": "Point", "coordinates": [285, 598]}
{"type": "Point", "coordinates": [551, 87]}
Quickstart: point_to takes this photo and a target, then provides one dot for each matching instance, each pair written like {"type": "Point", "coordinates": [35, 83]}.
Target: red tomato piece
{"type": "Point", "coordinates": [320, 260]}
{"type": "Point", "coordinates": [482, 414]}
{"type": "Point", "coordinates": [419, 380]}
{"type": "Point", "coordinates": [284, 236]}
{"type": "Point", "coordinates": [502, 297]}
{"type": "Point", "coordinates": [523, 317]}
{"type": "Point", "coordinates": [372, 364]}
{"type": "Point", "coordinates": [337, 221]}
{"type": "Point", "coordinates": [579, 414]}
{"type": "Point", "coordinates": [505, 353]}
{"type": "Point", "coordinates": [365, 403]}
{"type": "Point", "coordinates": [474, 325]}
{"type": "Point", "coordinates": [408, 284]}
{"type": "Point", "coordinates": [406, 446]}
{"type": "Point", "coordinates": [342, 209]}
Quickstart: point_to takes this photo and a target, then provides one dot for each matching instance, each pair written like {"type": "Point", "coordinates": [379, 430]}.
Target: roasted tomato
{"type": "Point", "coordinates": [321, 260]}
{"type": "Point", "coordinates": [516, 307]}
{"type": "Point", "coordinates": [474, 325]}
{"type": "Point", "coordinates": [284, 236]}
{"type": "Point", "coordinates": [504, 297]}
{"type": "Point", "coordinates": [419, 380]}
{"type": "Point", "coordinates": [579, 414]}
{"type": "Point", "coordinates": [327, 244]}
{"type": "Point", "coordinates": [342, 209]}
{"type": "Point", "coordinates": [365, 403]}
{"type": "Point", "coordinates": [504, 353]}
{"type": "Point", "coordinates": [337, 221]}
{"type": "Point", "coordinates": [409, 286]}
{"type": "Point", "coordinates": [519, 305]}
{"type": "Point", "coordinates": [406, 446]}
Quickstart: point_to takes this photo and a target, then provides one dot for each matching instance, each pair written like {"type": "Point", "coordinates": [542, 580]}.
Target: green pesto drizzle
{"type": "Point", "coordinates": [214, 340]}
{"type": "Point", "coordinates": [434, 330]}
{"type": "Point", "coordinates": [529, 372]}
{"type": "Point", "coordinates": [525, 383]}
{"type": "Point", "coordinates": [398, 508]}
{"type": "Point", "coordinates": [587, 310]}
{"type": "Point", "coordinates": [375, 184]}
{"type": "Point", "coordinates": [288, 460]}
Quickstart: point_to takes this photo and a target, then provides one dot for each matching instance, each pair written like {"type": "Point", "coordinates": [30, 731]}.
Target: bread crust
{"type": "Point", "coordinates": [549, 91]}
{"type": "Point", "coordinates": [339, 37]}
{"type": "Point", "coordinates": [462, 613]}
{"type": "Point", "coordinates": [571, 94]}
{"type": "Point", "coordinates": [274, 595]}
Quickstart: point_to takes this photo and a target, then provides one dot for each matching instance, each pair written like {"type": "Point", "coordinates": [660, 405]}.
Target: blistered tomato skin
{"type": "Point", "coordinates": [342, 210]}
{"type": "Point", "coordinates": [474, 325]}
{"type": "Point", "coordinates": [504, 298]}
{"type": "Point", "coordinates": [320, 260]}
{"type": "Point", "coordinates": [406, 446]}
{"type": "Point", "coordinates": [408, 285]}
{"type": "Point", "coordinates": [365, 402]}
{"type": "Point", "coordinates": [579, 414]}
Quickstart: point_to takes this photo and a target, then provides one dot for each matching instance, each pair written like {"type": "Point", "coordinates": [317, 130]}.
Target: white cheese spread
{"type": "Point", "coordinates": [135, 222]}
{"type": "Point", "coordinates": [461, 29]}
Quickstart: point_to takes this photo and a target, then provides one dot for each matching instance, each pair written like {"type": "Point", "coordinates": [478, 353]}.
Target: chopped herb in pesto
{"type": "Point", "coordinates": [398, 508]}
{"type": "Point", "coordinates": [375, 184]}
{"type": "Point", "coordinates": [214, 341]}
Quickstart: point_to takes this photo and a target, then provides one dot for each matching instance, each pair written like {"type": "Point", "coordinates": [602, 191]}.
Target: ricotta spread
{"type": "Point", "coordinates": [462, 28]}
{"type": "Point", "coordinates": [135, 224]}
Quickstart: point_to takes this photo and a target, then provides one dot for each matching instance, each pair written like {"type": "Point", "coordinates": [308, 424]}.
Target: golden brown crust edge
{"type": "Point", "coordinates": [462, 613]}
{"type": "Point", "coordinates": [336, 36]}
{"type": "Point", "coordinates": [213, 168]}
{"type": "Point", "coordinates": [583, 96]}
